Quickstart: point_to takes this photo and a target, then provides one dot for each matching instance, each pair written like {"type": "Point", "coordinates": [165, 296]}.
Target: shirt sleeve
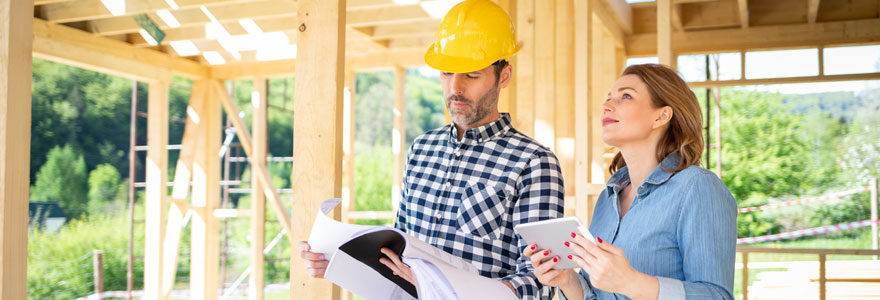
{"type": "Point", "coordinates": [540, 197]}
{"type": "Point", "coordinates": [707, 241]}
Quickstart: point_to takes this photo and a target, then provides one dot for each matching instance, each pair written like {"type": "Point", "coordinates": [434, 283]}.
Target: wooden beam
{"type": "Point", "coordinates": [244, 138]}
{"type": "Point", "coordinates": [82, 49]}
{"type": "Point", "coordinates": [205, 228]}
{"type": "Point", "coordinates": [156, 192]}
{"type": "Point", "coordinates": [664, 33]}
{"type": "Point", "coordinates": [762, 37]}
{"type": "Point", "coordinates": [398, 135]}
{"type": "Point", "coordinates": [195, 17]}
{"type": "Point", "coordinates": [620, 11]}
{"type": "Point", "coordinates": [180, 191]}
{"type": "Point", "coordinates": [44, 2]}
{"type": "Point", "coordinates": [349, 131]}
{"type": "Point", "coordinates": [260, 127]}
{"type": "Point", "coordinates": [743, 6]}
{"type": "Point", "coordinates": [676, 18]}
{"type": "Point", "coordinates": [15, 141]}
{"type": "Point", "coordinates": [79, 10]}
{"type": "Point", "coordinates": [507, 96]}
{"type": "Point", "coordinates": [545, 73]}
{"type": "Point", "coordinates": [583, 49]}
{"type": "Point", "coordinates": [317, 168]}
{"type": "Point", "coordinates": [524, 68]}
{"type": "Point", "coordinates": [786, 80]}
{"type": "Point", "coordinates": [564, 94]}
{"type": "Point", "coordinates": [411, 29]}
{"type": "Point", "coordinates": [605, 15]}
{"type": "Point", "coordinates": [812, 10]}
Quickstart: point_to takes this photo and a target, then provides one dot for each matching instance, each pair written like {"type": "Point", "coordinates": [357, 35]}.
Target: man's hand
{"type": "Point", "coordinates": [316, 265]}
{"type": "Point", "coordinates": [397, 266]}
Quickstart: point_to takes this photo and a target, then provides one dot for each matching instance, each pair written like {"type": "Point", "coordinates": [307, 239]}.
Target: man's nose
{"type": "Point", "coordinates": [457, 84]}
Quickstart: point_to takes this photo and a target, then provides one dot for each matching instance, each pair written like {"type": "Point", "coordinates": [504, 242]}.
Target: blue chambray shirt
{"type": "Point", "coordinates": [681, 228]}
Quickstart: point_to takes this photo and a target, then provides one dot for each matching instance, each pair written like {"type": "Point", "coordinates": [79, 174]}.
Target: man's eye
{"type": "Point", "coordinates": [473, 76]}
{"type": "Point", "coordinates": [445, 73]}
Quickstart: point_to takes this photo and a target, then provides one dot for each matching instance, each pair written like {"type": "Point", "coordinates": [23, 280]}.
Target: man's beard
{"type": "Point", "coordinates": [480, 110]}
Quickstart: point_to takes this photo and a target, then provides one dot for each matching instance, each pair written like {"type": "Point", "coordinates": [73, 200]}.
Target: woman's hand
{"type": "Point", "coordinates": [609, 269]}
{"type": "Point", "coordinates": [566, 279]}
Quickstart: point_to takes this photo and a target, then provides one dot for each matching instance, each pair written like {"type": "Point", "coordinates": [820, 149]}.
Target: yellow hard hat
{"type": "Point", "coordinates": [473, 35]}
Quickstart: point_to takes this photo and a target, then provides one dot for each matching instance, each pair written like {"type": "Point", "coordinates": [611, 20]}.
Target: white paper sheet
{"type": "Point", "coordinates": [362, 280]}
{"type": "Point", "coordinates": [328, 234]}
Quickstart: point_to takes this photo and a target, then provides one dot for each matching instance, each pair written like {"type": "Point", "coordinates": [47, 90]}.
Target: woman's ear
{"type": "Point", "coordinates": [663, 117]}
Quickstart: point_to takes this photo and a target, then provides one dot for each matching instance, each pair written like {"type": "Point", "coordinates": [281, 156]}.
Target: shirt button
{"type": "Point", "coordinates": [437, 215]}
{"type": "Point", "coordinates": [457, 152]}
{"type": "Point", "coordinates": [447, 184]}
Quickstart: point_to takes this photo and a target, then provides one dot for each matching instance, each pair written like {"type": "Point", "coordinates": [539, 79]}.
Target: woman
{"type": "Point", "coordinates": [665, 228]}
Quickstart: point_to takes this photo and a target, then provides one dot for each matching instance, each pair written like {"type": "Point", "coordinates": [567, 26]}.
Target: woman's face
{"type": "Point", "coordinates": [628, 117]}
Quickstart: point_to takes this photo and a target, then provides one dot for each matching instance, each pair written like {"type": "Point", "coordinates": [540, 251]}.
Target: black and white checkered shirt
{"type": "Point", "coordinates": [465, 197]}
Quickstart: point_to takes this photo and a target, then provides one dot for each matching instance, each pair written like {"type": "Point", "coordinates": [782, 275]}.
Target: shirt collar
{"type": "Point", "coordinates": [478, 135]}
{"type": "Point", "coordinates": [657, 177]}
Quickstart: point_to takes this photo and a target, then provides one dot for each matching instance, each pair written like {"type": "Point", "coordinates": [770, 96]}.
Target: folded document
{"type": "Point", "coordinates": [353, 252]}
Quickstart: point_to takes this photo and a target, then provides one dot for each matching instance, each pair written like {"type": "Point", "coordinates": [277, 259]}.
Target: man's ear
{"type": "Point", "coordinates": [664, 116]}
{"type": "Point", "coordinates": [505, 75]}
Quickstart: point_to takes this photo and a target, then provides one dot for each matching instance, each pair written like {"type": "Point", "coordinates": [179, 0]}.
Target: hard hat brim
{"type": "Point", "coordinates": [453, 64]}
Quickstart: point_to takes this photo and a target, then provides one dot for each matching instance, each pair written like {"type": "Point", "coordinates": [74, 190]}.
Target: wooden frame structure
{"type": "Point", "coordinates": [572, 50]}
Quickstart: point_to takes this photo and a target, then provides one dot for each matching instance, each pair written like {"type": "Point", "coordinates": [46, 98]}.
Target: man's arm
{"type": "Point", "coordinates": [540, 197]}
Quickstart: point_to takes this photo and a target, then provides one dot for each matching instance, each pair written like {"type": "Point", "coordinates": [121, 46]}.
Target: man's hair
{"type": "Point", "coordinates": [499, 66]}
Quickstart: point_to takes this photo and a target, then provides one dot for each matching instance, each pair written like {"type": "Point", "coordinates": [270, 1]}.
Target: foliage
{"type": "Point", "coordinates": [103, 187]}
{"type": "Point", "coordinates": [60, 264]}
{"type": "Point", "coordinates": [63, 178]}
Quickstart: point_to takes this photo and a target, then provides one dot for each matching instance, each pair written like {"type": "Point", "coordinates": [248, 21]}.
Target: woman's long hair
{"type": "Point", "coordinates": [684, 134]}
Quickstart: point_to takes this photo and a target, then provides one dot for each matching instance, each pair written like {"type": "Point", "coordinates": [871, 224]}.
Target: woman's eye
{"type": "Point", "coordinates": [626, 96]}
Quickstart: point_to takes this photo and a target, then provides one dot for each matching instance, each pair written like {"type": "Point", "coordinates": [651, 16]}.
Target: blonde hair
{"type": "Point", "coordinates": [684, 134]}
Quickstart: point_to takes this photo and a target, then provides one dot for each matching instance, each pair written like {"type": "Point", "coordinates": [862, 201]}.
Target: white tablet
{"type": "Point", "coordinates": [552, 235]}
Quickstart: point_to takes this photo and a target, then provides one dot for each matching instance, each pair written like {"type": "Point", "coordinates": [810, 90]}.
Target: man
{"type": "Point", "coordinates": [469, 183]}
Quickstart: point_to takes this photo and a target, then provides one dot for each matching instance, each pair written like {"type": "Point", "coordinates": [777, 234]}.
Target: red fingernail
{"type": "Point", "coordinates": [573, 235]}
{"type": "Point", "coordinates": [566, 244]}
{"type": "Point", "coordinates": [533, 247]}
{"type": "Point", "coordinates": [546, 252]}
{"type": "Point", "coordinates": [569, 256]}
{"type": "Point", "coordinates": [599, 239]}
{"type": "Point", "coordinates": [555, 259]}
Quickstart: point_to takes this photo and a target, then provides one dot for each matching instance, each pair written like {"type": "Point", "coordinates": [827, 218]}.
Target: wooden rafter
{"type": "Point", "coordinates": [81, 10]}
{"type": "Point", "coordinates": [761, 37]}
{"type": "Point", "coordinates": [813, 10]}
{"type": "Point", "coordinates": [621, 12]}
{"type": "Point", "coordinates": [79, 48]}
{"type": "Point", "coordinates": [194, 16]}
{"type": "Point", "coordinates": [743, 6]}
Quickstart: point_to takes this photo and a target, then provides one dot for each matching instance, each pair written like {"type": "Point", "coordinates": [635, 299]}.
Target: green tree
{"type": "Point", "coordinates": [63, 178]}
{"type": "Point", "coordinates": [103, 187]}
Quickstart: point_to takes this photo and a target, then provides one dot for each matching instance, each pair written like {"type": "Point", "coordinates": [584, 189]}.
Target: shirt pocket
{"type": "Point", "coordinates": [483, 211]}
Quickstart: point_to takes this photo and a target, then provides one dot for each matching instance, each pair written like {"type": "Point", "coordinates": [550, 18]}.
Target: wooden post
{"type": "Point", "coordinates": [398, 135]}
{"type": "Point", "coordinates": [543, 105]}
{"type": "Point", "coordinates": [348, 131]}
{"type": "Point", "coordinates": [599, 86]}
{"type": "Point", "coordinates": [16, 38]}
{"type": "Point", "coordinates": [317, 168]}
{"type": "Point", "coordinates": [564, 97]}
{"type": "Point", "coordinates": [874, 234]}
{"type": "Point", "coordinates": [583, 59]}
{"type": "Point", "coordinates": [507, 98]}
{"type": "Point", "coordinates": [260, 129]}
{"type": "Point", "coordinates": [745, 275]}
{"type": "Point", "coordinates": [525, 68]}
{"type": "Point", "coordinates": [98, 271]}
{"type": "Point", "coordinates": [156, 192]}
{"type": "Point", "coordinates": [664, 33]}
{"type": "Point", "coordinates": [205, 228]}
{"type": "Point", "coordinates": [822, 278]}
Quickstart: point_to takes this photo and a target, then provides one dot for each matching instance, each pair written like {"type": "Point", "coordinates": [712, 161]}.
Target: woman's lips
{"type": "Point", "coordinates": [606, 121]}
